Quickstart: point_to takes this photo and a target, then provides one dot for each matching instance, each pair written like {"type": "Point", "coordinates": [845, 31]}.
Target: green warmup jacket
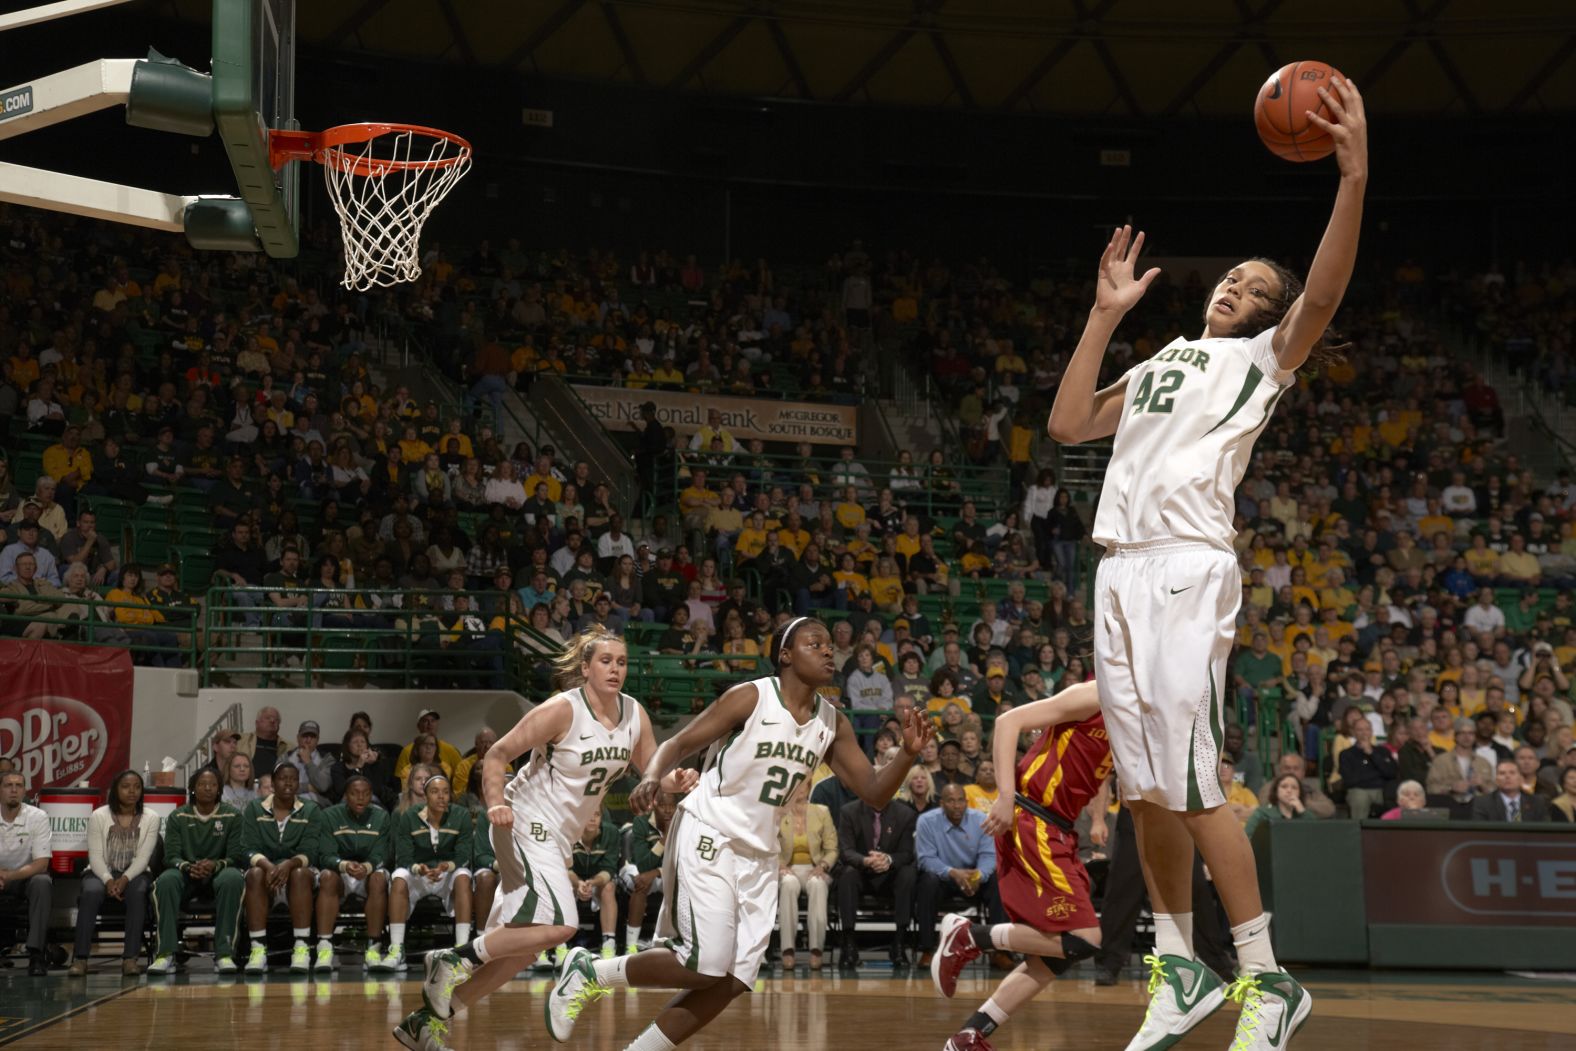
{"type": "Point", "coordinates": [413, 838]}
{"type": "Point", "coordinates": [600, 856]}
{"type": "Point", "coordinates": [189, 837]}
{"type": "Point", "coordinates": [304, 834]}
{"type": "Point", "coordinates": [645, 843]}
{"type": "Point", "coordinates": [482, 854]}
{"type": "Point", "coordinates": [357, 839]}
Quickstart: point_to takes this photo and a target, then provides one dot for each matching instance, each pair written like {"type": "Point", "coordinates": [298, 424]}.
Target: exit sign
{"type": "Point", "coordinates": [536, 118]}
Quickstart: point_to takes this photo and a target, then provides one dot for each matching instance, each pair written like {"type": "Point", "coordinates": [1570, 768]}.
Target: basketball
{"type": "Point", "coordinates": [1280, 111]}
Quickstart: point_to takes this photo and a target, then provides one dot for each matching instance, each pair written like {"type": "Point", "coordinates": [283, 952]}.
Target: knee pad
{"type": "Point", "coordinates": [1075, 948]}
{"type": "Point", "coordinates": [1056, 964]}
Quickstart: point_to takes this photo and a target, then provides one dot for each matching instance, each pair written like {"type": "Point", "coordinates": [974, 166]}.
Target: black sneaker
{"type": "Point", "coordinates": [1107, 977]}
{"type": "Point", "coordinates": [36, 967]}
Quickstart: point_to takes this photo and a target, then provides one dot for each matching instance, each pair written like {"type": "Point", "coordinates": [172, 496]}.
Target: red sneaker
{"type": "Point", "coordinates": [953, 953]}
{"type": "Point", "coordinates": [967, 1040]}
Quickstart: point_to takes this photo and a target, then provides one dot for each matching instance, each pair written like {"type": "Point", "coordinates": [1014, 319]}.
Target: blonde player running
{"type": "Point", "coordinates": [581, 741]}
{"type": "Point", "coordinates": [720, 866]}
{"type": "Point", "coordinates": [1168, 590]}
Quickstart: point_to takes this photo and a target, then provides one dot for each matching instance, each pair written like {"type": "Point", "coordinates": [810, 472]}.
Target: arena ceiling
{"type": "Point", "coordinates": [1120, 58]}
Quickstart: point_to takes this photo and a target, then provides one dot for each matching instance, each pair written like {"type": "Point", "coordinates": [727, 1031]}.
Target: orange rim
{"type": "Point", "coordinates": [327, 148]}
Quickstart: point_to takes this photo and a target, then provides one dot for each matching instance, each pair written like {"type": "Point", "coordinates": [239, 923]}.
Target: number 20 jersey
{"type": "Point", "coordinates": [750, 776]}
{"type": "Point", "coordinates": [563, 784]}
{"type": "Point", "coordinates": [1189, 420]}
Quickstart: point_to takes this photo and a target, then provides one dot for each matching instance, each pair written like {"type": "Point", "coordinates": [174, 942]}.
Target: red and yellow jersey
{"type": "Point", "coordinates": [1067, 766]}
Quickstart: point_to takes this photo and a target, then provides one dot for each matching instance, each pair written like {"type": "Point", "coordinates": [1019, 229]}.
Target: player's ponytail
{"type": "Point", "coordinates": [569, 665]}
{"type": "Point", "coordinates": [1328, 351]}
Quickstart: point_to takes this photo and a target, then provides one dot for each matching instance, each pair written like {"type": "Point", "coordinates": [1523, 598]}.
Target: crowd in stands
{"type": "Point", "coordinates": [1406, 636]}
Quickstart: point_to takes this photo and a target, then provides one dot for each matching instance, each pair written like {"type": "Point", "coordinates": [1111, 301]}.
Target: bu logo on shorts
{"type": "Point", "coordinates": [706, 849]}
{"type": "Point", "coordinates": [538, 832]}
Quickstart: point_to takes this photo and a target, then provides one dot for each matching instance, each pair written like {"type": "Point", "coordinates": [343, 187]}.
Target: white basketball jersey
{"type": "Point", "coordinates": [562, 785]}
{"type": "Point", "coordinates": [1189, 420]}
{"type": "Point", "coordinates": [752, 774]}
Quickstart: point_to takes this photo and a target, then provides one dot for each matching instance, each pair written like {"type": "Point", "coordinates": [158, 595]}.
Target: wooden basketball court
{"type": "Point", "coordinates": [1354, 1011]}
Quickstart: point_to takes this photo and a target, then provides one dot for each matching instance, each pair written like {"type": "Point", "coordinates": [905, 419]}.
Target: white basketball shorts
{"type": "Point", "coordinates": [719, 917]}
{"type": "Point", "coordinates": [533, 877]}
{"type": "Point", "coordinates": [1164, 621]}
{"type": "Point", "coordinates": [441, 888]}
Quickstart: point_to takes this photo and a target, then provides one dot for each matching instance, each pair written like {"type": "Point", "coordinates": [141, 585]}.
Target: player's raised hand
{"type": "Point", "coordinates": [1349, 129]}
{"type": "Point", "coordinates": [917, 732]}
{"type": "Point", "coordinates": [1117, 289]}
{"type": "Point", "coordinates": [679, 781]}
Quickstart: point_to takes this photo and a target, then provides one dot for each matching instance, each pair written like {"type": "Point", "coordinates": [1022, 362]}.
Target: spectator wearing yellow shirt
{"type": "Point", "coordinates": [849, 512]}
{"type": "Point", "coordinates": [861, 548]}
{"type": "Point", "coordinates": [1302, 592]}
{"type": "Point", "coordinates": [1336, 595]}
{"type": "Point", "coordinates": [696, 502]}
{"type": "Point", "coordinates": [701, 439]}
{"type": "Point", "coordinates": [412, 449]}
{"type": "Point", "coordinates": [793, 534]}
{"type": "Point", "coordinates": [461, 440]}
{"type": "Point", "coordinates": [1518, 567]}
{"type": "Point", "coordinates": [68, 463]}
{"type": "Point", "coordinates": [1482, 560]}
{"type": "Point", "coordinates": [724, 522]}
{"type": "Point", "coordinates": [667, 374]}
{"type": "Point", "coordinates": [886, 586]}
{"type": "Point", "coordinates": [1259, 594]}
{"type": "Point", "coordinates": [1435, 522]}
{"type": "Point", "coordinates": [907, 543]}
{"type": "Point", "coordinates": [24, 367]}
{"type": "Point", "coordinates": [1239, 797]}
{"type": "Point", "coordinates": [852, 582]}
{"type": "Point", "coordinates": [751, 540]}
{"type": "Point", "coordinates": [1009, 365]}
{"type": "Point", "coordinates": [542, 474]}
{"type": "Point", "coordinates": [639, 376]}
{"type": "Point", "coordinates": [975, 560]}
{"type": "Point", "coordinates": [983, 792]}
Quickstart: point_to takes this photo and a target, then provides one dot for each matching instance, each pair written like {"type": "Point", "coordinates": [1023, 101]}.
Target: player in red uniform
{"type": "Point", "coordinates": [1044, 887]}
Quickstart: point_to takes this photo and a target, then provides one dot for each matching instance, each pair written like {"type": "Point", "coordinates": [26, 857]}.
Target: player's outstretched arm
{"type": "Point", "coordinates": [546, 723]}
{"type": "Point", "coordinates": [726, 715]}
{"type": "Point", "coordinates": [1073, 704]}
{"type": "Point", "coordinates": [876, 787]}
{"type": "Point", "coordinates": [1080, 413]}
{"type": "Point", "coordinates": [1305, 322]}
{"type": "Point", "coordinates": [677, 781]}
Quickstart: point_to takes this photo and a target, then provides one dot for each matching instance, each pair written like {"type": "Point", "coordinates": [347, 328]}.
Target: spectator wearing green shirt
{"type": "Point", "coordinates": [282, 838]}
{"type": "Point", "coordinates": [1258, 669]}
{"type": "Point", "coordinates": [591, 872]}
{"type": "Point", "coordinates": [432, 858]}
{"type": "Point", "coordinates": [355, 865]}
{"type": "Point", "coordinates": [641, 876]}
{"type": "Point", "coordinates": [1286, 804]}
{"type": "Point", "coordinates": [202, 848]}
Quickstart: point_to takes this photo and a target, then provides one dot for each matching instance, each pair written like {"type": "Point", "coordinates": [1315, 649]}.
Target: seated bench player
{"type": "Point", "coordinates": [641, 876]}
{"type": "Point", "coordinates": [432, 857]}
{"type": "Point", "coordinates": [282, 837]}
{"type": "Point", "coordinates": [202, 851]}
{"type": "Point", "coordinates": [355, 865]}
{"type": "Point", "coordinates": [596, 859]}
{"type": "Point", "coordinates": [484, 871]}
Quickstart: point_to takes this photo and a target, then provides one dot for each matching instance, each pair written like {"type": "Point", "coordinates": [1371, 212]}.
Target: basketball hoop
{"type": "Point", "coordinates": [384, 180]}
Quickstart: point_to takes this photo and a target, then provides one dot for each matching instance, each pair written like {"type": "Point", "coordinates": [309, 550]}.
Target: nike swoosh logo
{"type": "Point", "coordinates": [587, 737]}
{"type": "Point", "coordinates": [771, 723]}
{"type": "Point", "coordinates": [1178, 591]}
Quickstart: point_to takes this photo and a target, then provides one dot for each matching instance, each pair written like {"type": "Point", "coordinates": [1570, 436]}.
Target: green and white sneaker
{"type": "Point", "coordinates": [422, 1032]}
{"type": "Point", "coordinates": [324, 959]}
{"type": "Point", "coordinates": [576, 987]}
{"type": "Point", "coordinates": [257, 960]}
{"type": "Point", "coordinates": [443, 971]}
{"type": "Point", "coordinates": [394, 959]}
{"type": "Point", "coordinates": [373, 959]}
{"type": "Point", "coordinates": [162, 965]}
{"type": "Point", "coordinates": [1274, 1006]}
{"type": "Point", "coordinates": [300, 959]}
{"type": "Point", "coordinates": [226, 964]}
{"type": "Point", "coordinates": [1182, 993]}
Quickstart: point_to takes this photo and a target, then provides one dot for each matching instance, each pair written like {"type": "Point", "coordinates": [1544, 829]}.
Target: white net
{"type": "Point", "coordinates": [384, 189]}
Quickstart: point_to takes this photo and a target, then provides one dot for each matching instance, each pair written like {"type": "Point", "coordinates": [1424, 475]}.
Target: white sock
{"type": "Point", "coordinates": [396, 935]}
{"type": "Point", "coordinates": [651, 1039]}
{"type": "Point", "coordinates": [1174, 934]}
{"type": "Point", "coordinates": [462, 934]}
{"type": "Point", "coordinates": [302, 934]}
{"type": "Point", "coordinates": [631, 935]}
{"type": "Point", "coordinates": [324, 945]}
{"type": "Point", "coordinates": [258, 937]}
{"type": "Point", "coordinates": [1254, 953]}
{"type": "Point", "coordinates": [997, 1013]}
{"type": "Point", "coordinates": [479, 947]}
{"type": "Point", "coordinates": [610, 975]}
{"type": "Point", "coordinates": [999, 933]}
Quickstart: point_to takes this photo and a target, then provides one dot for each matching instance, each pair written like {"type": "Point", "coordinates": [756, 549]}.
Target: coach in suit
{"type": "Point", "coordinates": [876, 848]}
{"type": "Point", "coordinates": [1508, 802]}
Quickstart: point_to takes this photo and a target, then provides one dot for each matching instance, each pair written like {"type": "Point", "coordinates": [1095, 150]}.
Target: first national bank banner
{"type": "Point", "coordinates": [65, 712]}
{"type": "Point", "coordinates": [769, 420]}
